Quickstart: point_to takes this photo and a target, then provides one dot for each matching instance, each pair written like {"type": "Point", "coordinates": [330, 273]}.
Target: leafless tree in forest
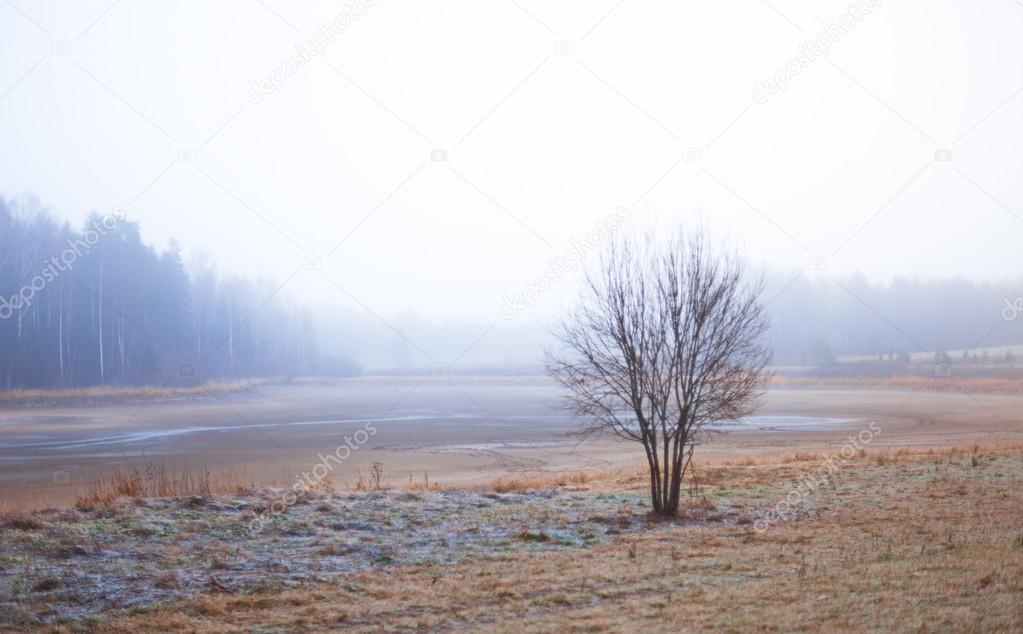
{"type": "Point", "coordinates": [666, 346]}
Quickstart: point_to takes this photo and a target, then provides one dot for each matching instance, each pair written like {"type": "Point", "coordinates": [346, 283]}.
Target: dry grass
{"type": "Point", "coordinates": [802, 456]}
{"type": "Point", "coordinates": [922, 540]}
{"type": "Point", "coordinates": [158, 481]}
{"type": "Point", "coordinates": [994, 353]}
{"type": "Point", "coordinates": [100, 395]}
{"type": "Point", "coordinates": [920, 383]}
{"type": "Point", "coordinates": [716, 471]}
{"type": "Point", "coordinates": [421, 484]}
{"type": "Point", "coordinates": [554, 479]}
{"type": "Point", "coordinates": [882, 454]}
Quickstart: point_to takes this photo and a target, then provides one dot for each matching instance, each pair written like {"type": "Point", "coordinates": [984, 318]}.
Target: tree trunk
{"type": "Point", "coordinates": [102, 378]}
{"type": "Point", "coordinates": [230, 338]}
{"type": "Point", "coordinates": [651, 459]}
{"type": "Point", "coordinates": [60, 332]}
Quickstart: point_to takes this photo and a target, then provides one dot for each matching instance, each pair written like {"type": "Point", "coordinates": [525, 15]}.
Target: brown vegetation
{"type": "Point", "coordinates": [103, 395]}
{"type": "Point", "coordinates": [545, 480]}
{"type": "Point", "coordinates": [157, 481]}
{"type": "Point", "coordinates": [914, 540]}
{"type": "Point", "coordinates": [915, 383]}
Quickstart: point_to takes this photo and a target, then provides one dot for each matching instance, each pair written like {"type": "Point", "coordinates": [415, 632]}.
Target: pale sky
{"type": "Point", "coordinates": [551, 115]}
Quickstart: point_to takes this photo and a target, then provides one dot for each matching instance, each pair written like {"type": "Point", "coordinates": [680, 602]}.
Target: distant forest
{"type": "Point", "coordinates": [817, 319]}
{"type": "Point", "coordinates": [96, 305]}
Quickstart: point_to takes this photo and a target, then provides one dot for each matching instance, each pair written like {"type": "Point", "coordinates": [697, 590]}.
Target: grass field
{"type": "Point", "coordinates": [111, 395]}
{"type": "Point", "coordinates": [102, 395]}
{"type": "Point", "coordinates": [907, 540]}
{"type": "Point", "coordinates": [993, 352]}
{"type": "Point", "coordinates": [982, 385]}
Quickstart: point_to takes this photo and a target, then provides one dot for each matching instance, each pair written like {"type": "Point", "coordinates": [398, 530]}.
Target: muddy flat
{"type": "Point", "coordinates": [456, 431]}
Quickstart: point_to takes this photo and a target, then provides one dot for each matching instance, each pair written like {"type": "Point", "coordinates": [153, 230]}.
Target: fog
{"type": "Point", "coordinates": [415, 185]}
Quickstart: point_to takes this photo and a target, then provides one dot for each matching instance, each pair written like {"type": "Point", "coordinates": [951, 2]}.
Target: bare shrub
{"type": "Point", "coordinates": [377, 473]}
{"type": "Point", "coordinates": [665, 346]}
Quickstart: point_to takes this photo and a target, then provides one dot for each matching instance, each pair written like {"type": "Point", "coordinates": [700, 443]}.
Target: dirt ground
{"type": "Point", "coordinates": [456, 430]}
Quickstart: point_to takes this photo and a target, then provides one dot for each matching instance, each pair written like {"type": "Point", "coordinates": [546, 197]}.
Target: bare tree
{"type": "Point", "coordinates": [666, 346]}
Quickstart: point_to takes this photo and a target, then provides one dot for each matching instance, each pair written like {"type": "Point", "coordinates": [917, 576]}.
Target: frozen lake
{"type": "Point", "coordinates": [458, 427]}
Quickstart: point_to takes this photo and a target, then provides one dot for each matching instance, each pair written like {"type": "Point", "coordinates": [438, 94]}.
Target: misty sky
{"type": "Point", "coordinates": [552, 116]}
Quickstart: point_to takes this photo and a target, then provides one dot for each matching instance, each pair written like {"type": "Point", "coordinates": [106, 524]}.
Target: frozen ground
{"type": "Point", "coordinates": [75, 563]}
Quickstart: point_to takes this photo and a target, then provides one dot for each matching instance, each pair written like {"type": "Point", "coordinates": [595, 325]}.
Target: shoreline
{"type": "Point", "coordinates": [98, 396]}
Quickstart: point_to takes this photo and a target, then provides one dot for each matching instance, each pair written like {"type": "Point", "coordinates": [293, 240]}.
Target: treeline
{"type": "Point", "coordinates": [97, 305]}
{"type": "Point", "coordinates": [816, 319]}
